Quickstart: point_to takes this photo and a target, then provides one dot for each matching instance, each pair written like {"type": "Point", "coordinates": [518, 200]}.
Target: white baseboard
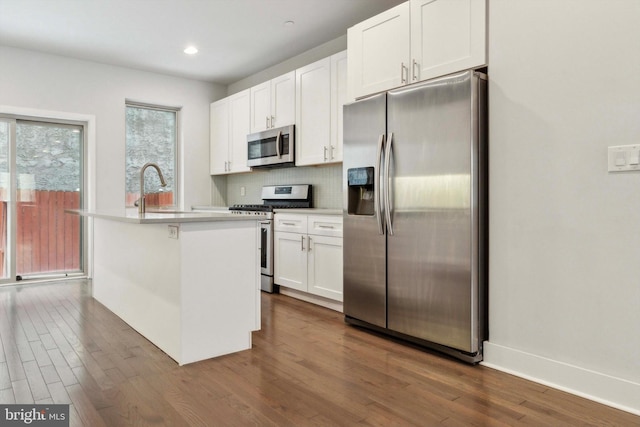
{"type": "Point", "coordinates": [314, 299]}
{"type": "Point", "coordinates": [592, 385]}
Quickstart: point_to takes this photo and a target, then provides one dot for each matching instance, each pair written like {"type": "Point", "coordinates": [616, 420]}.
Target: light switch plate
{"type": "Point", "coordinates": [624, 158]}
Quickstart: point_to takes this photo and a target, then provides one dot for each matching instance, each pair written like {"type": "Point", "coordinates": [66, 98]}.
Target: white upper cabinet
{"type": "Point", "coordinates": [283, 100]}
{"type": "Point", "coordinates": [239, 128]}
{"type": "Point", "coordinates": [229, 121]}
{"type": "Point", "coordinates": [310, 97]}
{"type": "Point", "coordinates": [379, 51]}
{"type": "Point", "coordinates": [320, 94]}
{"type": "Point", "coordinates": [261, 107]}
{"type": "Point", "coordinates": [313, 112]}
{"type": "Point", "coordinates": [338, 99]}
{"type": "Point", "coordinates": [219, 136]}
{"type": "Point", "coordinates": [416, 41]}
{"type": "Point", "coordinates": [446, 36]}
{"type": "Point", "coordinates": [273, 103]}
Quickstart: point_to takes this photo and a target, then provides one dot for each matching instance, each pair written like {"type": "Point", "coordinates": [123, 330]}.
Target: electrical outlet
{"type": "Point", "coordinates": [173, 231]}
{"type": "Point", "coordinates": [243, 191]}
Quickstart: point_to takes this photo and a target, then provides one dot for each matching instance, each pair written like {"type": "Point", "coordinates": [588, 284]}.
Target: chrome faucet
{"type": "Point", "coordinates": [141, 203]}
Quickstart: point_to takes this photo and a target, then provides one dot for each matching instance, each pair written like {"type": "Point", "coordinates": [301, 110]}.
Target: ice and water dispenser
{"type": "Point", "coordinates": [360, 185]}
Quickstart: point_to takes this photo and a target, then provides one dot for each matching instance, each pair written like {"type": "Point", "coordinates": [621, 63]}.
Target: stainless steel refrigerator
{"type": "Point", "coordinates": [415, 213]}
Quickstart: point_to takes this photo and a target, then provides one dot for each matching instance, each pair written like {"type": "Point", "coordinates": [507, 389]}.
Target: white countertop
{"type": "Point", "coordinates": [210, 208]}
{"type": "Point", "coordinates": [158, 217]}
{"type": "Point", "coordinates": [301, 211]}
{"type": "Point", "coordinates": [310, 211]}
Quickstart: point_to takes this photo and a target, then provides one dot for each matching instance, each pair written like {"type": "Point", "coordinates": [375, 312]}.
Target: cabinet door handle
{"type": "Point", "coordinates": [325, 226]}
{"type": "Point", "coordinates": [267, 121]}
{"type": "Point", "coordinates": [331, 148]}
{"type": "Point", "coordinates": [413, 70]}
{"type": "Point", "coordinates": [273, 121]}
{"type": "Point", "coordinates": [325, 153]}
{"type": "Point", "coordinates": [309, 243]}
{"type": "Point", "coordinates": [404, 73]}
{"type": "Point", "coordinates": [302, 243]}
{"type": "Point", "coordinates": [288, 223]}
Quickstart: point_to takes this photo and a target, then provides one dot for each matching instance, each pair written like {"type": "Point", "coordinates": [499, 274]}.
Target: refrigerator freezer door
{"type": "Point", "coordinates": [364, 248]}
{"type": "Point", "coordinates": [432, 286]}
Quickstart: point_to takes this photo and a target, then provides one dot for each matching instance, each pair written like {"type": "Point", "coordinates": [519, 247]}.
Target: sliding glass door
{"type": "Point", "coordinates": [7, 129]}
{"type": "Point", "coordinates": [42, 173]}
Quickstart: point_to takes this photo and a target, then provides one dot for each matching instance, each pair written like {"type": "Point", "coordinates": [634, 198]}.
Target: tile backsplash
{"type": "Point", "coordinates": [326, 181]}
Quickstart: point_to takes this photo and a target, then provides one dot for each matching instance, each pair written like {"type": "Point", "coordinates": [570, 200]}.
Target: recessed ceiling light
{"type": "Point", "coordinates": [288, 23]}
{"type": "Point", "coordinates": [191, 50]}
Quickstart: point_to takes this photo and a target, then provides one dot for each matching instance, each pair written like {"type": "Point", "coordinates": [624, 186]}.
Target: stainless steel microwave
{"type": "Point", "coordinates": [271, 148]}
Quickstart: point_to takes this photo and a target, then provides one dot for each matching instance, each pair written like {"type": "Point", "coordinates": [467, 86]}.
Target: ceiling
{"type": "Point", "coordinates": [235, 38]}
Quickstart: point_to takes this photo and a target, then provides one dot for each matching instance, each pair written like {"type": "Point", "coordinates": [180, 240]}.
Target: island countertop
{"type": "Point", "coordinates": [162, 217]}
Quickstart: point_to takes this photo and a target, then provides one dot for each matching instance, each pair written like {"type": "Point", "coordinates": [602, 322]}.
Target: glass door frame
{"type": "Point", "coordinates": [12, 204]}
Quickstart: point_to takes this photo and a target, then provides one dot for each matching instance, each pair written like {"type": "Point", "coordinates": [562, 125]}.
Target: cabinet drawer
{"type": "Point", "coordinates": [324, 225]}
{"type": "Point", "coordinates": [290, 222]}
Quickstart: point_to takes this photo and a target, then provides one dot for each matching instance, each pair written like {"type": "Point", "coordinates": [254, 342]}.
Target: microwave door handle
{"type": "Point", "coordinates": [377, 187]}
{"type": "Point", "coordinates": [278, 151]}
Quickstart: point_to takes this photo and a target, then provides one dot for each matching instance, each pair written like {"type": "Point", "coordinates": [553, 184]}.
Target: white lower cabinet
{"type": "Point", "coordinates": [290, 260]}
{"type": "Point", "coordinates": [324, 266]}
{"type": "Point", "coordinates": [308, 253]}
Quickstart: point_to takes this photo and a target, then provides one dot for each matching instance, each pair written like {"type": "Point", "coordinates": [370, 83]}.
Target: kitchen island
{"type": "Point", "coordinates": [188, 282]}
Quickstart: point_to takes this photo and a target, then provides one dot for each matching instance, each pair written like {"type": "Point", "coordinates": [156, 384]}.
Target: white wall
{"type": "Point", "coordinates": [46, 82]}
{"type": "Point", "coordinates": [564, 233]}
{"type": "Point", "coordinates": [312, 55]}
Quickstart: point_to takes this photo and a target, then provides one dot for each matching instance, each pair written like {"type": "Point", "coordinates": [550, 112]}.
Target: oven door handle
{"type": "Point", "coordinates": [278, 150]}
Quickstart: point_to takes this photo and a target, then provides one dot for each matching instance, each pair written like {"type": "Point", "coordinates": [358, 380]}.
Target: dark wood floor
{"type": "Point", "coordinates": [306, 367]}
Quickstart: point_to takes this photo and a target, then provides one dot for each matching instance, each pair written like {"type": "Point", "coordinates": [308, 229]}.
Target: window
{"type": "Point", "coordinates": [151, 136]}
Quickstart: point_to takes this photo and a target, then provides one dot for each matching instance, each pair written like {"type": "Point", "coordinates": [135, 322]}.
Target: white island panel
{"type": "Point", "coordinates": [136, 275]}
{"type": "Point", "coordinates": [223, 290]}
{"type": "Point", "coordinates": [194, 297]}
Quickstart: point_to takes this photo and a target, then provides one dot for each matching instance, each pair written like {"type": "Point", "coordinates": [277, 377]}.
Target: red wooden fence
{"type": "Point", "coordinates": [47, 239]}
{"type": "Point", "coordinates": [152, 199]}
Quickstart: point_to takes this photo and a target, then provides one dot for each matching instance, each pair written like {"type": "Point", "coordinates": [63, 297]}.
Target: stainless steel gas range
{"type": "Point", "coordinates": [273, 197]}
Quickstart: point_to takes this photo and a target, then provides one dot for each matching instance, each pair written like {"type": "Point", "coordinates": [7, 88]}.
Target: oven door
{"type": "Point", "coordinates": [266, 248]}
{"type": "Point", "coordinates": [271, 148]}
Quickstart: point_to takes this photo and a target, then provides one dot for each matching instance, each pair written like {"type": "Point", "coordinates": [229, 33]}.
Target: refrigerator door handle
{"type": "Point", "coordinates": [377, 200]}
{"type": "Point", "coordinates": [387, 184]}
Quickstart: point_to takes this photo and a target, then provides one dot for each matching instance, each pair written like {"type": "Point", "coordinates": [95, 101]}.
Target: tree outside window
{"type": "Point", "coordinates": [151, 136]}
